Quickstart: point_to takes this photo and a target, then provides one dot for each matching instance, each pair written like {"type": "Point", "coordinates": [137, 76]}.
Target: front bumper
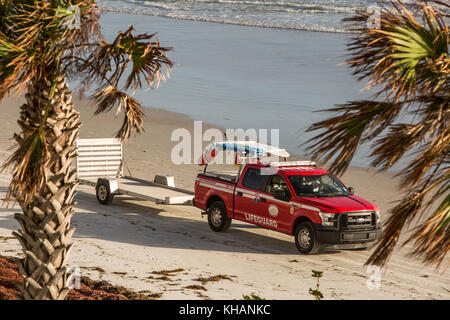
{"type": "Point", "coordinates": [347, 236]}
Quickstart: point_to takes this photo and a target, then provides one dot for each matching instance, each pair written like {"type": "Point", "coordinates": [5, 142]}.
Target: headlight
{"type": "Point", "coordinates": [377, 214]}
{"type": "Point", "coordinates": [328, 219]}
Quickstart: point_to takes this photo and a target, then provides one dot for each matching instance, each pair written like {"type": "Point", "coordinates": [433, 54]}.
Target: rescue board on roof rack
{"type": "Point", "coordinates": [243, 149]}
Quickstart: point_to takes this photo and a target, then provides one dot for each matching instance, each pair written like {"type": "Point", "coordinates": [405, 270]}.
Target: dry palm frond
{"type": "Point", "coordinates": [107, 64]}
{"type": "Point", "coordinates": [110, 60]}
{"type": "Point", "coordinates": [87, 28]}
{"type": "Point", "coordinates": [358, 121]}
{"type": "Point", "coordinates": [429, 156]}
{"type": "Point", "coordinates": [429, 136]}
{"type": "Point", "coordinates": [109, 97]}
{"type": "Point", "coordinates": [400, 215]}
{"type": "Point", "coordinates": [30, 161]}
{"type": "Point", "coordinates": [147, 59]}
{"type": "Point", "coordinates": [432, 238]}
{"type": "Point", "coordinates": [133, 118]}
{"type": "Point", "coordinates": [31, 157]}
{"type": "Point", "coordinates": [12, 60]}
{"type": "Point", "coordinates": [395, 144]}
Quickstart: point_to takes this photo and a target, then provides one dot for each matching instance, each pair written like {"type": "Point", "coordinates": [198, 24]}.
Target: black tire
{"type": "Point", "coordinates": [103, 192]}
{"type": "Point", "coordinates": [217, 217]}
{"type": "Point", "coordinates": [306, 238]}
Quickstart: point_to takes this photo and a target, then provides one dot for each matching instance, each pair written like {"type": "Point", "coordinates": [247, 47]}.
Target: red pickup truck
{"type": "Point", "coordinates": [295, 198]}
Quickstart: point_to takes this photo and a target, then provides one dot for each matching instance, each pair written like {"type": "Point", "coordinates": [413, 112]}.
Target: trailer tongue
{"type": "Point", "coordinates": [100, 164]}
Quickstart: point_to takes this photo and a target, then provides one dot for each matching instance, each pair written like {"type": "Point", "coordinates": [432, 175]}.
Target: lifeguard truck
{"type": "Point", "coordinates": [293, 197]}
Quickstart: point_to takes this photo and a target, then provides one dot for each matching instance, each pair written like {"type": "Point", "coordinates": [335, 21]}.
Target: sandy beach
{"type": "Point", "coordinates": [128, 241]}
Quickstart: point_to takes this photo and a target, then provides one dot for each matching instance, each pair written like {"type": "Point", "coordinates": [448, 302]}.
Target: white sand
{"type": "Point", "coordinates": [125, 242]}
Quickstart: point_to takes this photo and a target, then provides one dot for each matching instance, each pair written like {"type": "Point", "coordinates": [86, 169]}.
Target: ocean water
{"type": "Point", "coordinates": [314, 15]}
{"type": "Point", "coordinates": [245, 77]}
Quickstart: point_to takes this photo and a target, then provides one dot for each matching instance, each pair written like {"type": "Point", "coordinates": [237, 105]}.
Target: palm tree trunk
{"type": "Point", "coordinates": [45, 223]}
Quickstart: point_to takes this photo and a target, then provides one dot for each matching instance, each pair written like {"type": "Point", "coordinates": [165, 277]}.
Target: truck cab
{"type": "Point", "coordinates": [295, 198]}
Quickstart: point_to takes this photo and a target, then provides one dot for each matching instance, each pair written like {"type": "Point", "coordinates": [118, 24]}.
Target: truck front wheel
{"type": "Point", "coordinates": [306, 238]}
{"type": "Point", "coordinates": [217, 217]}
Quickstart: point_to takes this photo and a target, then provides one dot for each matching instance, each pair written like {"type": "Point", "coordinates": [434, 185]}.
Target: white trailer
{"type": "Point", "coordinates": [100, 164]}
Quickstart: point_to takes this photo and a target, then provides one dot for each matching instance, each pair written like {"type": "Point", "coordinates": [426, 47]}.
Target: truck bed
{"type": "Point", "coordinates": [227, 176]}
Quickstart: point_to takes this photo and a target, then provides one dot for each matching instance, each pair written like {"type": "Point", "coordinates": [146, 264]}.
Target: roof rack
{"type": "Point", "coordinates": [292, 163]}
{"type": "Point", "coordinates": [252, 148]}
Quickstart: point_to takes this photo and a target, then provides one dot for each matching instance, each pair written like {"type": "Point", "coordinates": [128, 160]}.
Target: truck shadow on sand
{"type": "Point", "coordinates": [144, 225]}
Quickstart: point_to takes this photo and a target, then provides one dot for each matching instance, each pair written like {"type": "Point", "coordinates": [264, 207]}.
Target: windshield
{"type": "Point", "coordinates": [325, 185]}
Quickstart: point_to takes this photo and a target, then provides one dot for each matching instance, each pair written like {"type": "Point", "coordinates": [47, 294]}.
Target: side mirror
{"type": "Point", "coordinates": [281, 195]}
{"type": "Point", "coordinates": [351, 190]}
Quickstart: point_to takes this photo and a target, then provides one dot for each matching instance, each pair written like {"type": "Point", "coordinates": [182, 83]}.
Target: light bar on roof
{"type": "Point", "coordinates": [292, 163]}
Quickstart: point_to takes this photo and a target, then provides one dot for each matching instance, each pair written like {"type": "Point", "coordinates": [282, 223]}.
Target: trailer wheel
{"type": "Point", "coordinates": [103, 192]}
{"type": "Point", "coordinates": [217, 217]}
{"type": "Point", "coordinates": [306, 238]}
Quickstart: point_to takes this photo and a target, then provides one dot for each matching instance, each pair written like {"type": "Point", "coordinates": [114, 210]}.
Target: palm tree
{"type": "Point", "coordinates": [407, 62]}
{"type": "Point", "coordinates": [41, 44]}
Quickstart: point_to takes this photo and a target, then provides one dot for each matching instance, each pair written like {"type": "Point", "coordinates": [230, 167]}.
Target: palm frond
{"type": "Point", "coordinates": [357, 121]}
{"type": "Point", "coordinates": [407, 62]}
{"type": "Point", "coordinates": [398, 56]}
{"type": "Point", "coordinates": [411, 45]}
{"type": "Point", "coordinates": [29, 161]}
{"type": "Point", "coordinates": [428, 137]}
{"type": "Point", "coordinates": [400, 215]}
{"type": "Point", "coordinates": [12, 61]}
{"type": "Point", "coordinates": [107, 64]}
{"type": "Point", "coordinates": [432, 238]}
{"type": "Point", "coordinates": [32, 34]}
{"type": "Point", "coordinates": [429, 156]}
{"type": "Point", "coordinates": [109, 97]}
{"type": "Point", "coordinates": [393, 146]}
{"type": "Point", "coordinates": [108, 61]}
{"type": "Point", "coordinates": [147, 58]}
{"type": "Point", "coordinates": [32, 155]}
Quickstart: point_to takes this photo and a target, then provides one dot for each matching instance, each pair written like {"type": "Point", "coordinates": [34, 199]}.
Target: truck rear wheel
{"type": "Point", "coordinates": [103, 192]}
{"type": "Point", "coordinates": [217, 217]}
{"type": "Point", "coordinates": [306, 238]}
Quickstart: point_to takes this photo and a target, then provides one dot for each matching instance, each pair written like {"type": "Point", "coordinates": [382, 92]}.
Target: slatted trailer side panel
{"type": "Point", "coordinates": [99, 158]}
